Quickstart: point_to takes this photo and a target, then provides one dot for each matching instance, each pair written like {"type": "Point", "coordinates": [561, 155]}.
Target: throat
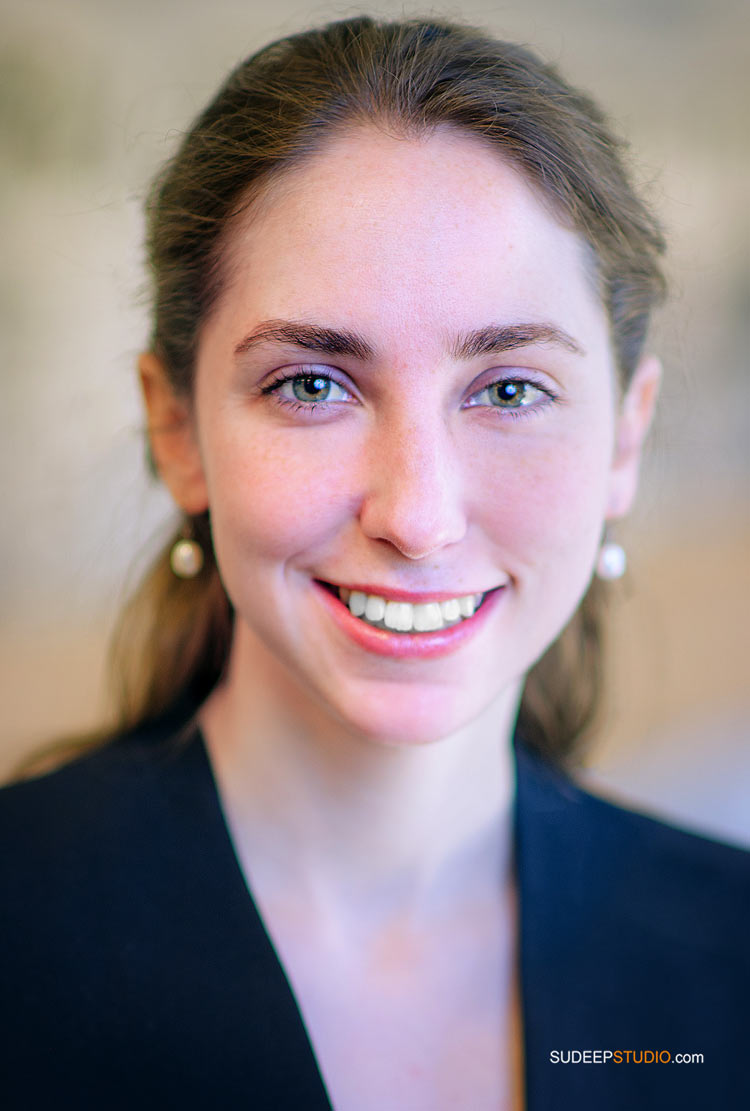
{"type": "Point", "coordinates": [345, 818]}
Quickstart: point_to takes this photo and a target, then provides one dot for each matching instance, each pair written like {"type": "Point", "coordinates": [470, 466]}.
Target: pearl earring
{"type": "Point", "coordinates": [186, 558]}
{"type": "Point", "coordinates": [612, 561]}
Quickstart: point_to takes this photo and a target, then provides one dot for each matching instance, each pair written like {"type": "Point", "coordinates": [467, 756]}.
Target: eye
{"type": "Point", "coordinates": [303, 390]}
{"type": "Point", "coordinates": [313, 387]}
{"type": "Point", "coordinates": [510, 393]}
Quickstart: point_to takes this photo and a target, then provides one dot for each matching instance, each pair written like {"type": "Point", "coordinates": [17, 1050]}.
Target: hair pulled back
{"type": "Point", "coordinates": [275, 110]}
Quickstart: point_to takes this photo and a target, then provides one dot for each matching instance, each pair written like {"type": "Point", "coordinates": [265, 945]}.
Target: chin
{"type": "Point", "coordinates": [410, 720]}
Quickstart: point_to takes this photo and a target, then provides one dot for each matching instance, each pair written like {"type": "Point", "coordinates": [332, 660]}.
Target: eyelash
{"type": "Point", "coordinates": [523, 412]}
{"type": "Point", "coordinates": [273, 387]}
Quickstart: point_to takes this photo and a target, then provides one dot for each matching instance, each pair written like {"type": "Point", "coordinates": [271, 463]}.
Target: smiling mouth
{"type": "Point", "coordinates": [407, 617]}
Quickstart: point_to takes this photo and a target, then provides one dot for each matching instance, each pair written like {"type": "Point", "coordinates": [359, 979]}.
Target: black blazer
{"type": "Point", "coordinates": [137, 973]}
{"type": "Point", "coordinates": [634, 936]}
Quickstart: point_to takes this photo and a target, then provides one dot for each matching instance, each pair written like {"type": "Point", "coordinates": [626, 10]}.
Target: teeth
{"type": "Point", "coordinates": [467, 605]}
{"type": "Point", "coordinates": [451, 610]}
{"type": "Point", "coordinates": [403, 617]}
{"type": "Point", "coordinates": [429, 617]}
{"type": "Point", "coordinates": [375, 608]}
{"type": "Point", "coordinates": [357, 602]}
{"type": "Point", "coordinates": [398, 615]}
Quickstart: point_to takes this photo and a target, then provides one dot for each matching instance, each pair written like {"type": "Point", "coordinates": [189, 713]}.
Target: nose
{"type": "Point", "coordinates": [414, 495]}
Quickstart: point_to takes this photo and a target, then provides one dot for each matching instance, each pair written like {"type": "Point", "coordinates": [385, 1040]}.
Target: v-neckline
{"type": "Point", "coordinates": [226, 854]}
{"type": "Point", "coordinates": [217, 846]}
{"type": "Point", "coordinates": [581, 919]}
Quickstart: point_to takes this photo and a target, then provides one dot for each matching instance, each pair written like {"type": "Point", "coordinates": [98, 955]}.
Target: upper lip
{"type": "Point", "coordinates": [396, 594]}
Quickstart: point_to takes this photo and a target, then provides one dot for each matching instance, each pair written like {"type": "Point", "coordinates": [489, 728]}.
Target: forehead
{"type": "Point", "coordinates": [386, 231]}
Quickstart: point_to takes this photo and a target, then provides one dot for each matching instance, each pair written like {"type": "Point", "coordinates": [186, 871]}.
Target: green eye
{"type": "Point", "coordinates": [311, 388]}
{"type": "Point", "coordinates": [307, 390]}
{"type": "Point", "coordinates": [512, 394]}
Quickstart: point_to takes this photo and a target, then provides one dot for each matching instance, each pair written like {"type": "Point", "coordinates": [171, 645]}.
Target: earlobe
{"type": "Point", "coordinates": [633, 422]}
{"type": "Point", "coordinates": [171, 432]}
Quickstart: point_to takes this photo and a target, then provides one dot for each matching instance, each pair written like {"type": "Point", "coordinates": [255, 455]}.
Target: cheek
{"type": "Point", "coordinates": [273, 495]}
{"type": "Point", "coordinates": [549, 500]}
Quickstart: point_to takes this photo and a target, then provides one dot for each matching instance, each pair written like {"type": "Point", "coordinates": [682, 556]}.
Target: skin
{"type": "Point", "coordinates": [369, 797]}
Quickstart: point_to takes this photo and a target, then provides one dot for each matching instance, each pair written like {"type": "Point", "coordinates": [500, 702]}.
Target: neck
{"type": "Point", "coordinates": [340, 816]}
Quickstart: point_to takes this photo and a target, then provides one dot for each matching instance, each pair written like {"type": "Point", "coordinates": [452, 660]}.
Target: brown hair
{"type": "Point", "coordinates": [274, 110]}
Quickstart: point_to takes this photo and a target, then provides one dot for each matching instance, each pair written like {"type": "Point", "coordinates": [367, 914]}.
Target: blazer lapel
{"type": "Point", "coordinates": [614, 953]}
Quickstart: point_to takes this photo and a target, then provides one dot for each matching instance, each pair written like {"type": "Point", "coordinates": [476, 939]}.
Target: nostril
{"type": "Point", "coordinates": [415, 499]}
{"type": "Point", "coordinates": [416, 531]}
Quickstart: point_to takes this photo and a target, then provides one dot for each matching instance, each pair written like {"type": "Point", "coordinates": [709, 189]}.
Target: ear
{"type": "Point", "coordinates": [171, 432]}
{"type": "Point", "coordinates": [635, 413]}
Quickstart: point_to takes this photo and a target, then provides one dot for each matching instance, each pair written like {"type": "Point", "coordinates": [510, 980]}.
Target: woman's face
{"type": "Point", "coordinates": [406, 391]}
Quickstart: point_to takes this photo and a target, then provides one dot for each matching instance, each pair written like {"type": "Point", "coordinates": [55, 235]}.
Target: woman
{"type": "Point", "coordinates": [397, 388]}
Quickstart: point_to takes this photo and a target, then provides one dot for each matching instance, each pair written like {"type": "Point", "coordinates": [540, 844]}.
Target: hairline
{"type": "Point", "coordinates": [267, 187]}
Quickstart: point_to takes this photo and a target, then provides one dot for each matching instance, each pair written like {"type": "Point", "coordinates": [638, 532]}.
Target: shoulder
{"type": "Point", "coordinates": [633, 937]}
{"type": "Point", "coordinates": [86, 806]}
{"type": "Point", "coordinates": [94, 851]}
{"type": "Point", "coordinates": [648, 872]}
{"type": "Point", "coordinates": [545, 789]}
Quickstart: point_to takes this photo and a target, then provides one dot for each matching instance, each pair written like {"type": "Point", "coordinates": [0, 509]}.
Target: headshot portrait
{"type": "Point", "coordinates": [376, 598]}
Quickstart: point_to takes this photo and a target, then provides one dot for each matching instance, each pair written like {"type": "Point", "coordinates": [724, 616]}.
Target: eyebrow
{"type": "Point", "coordinates": [311, 337]}
{"type": "Point", "coordinates": [495, 339]}
{"type": "Point", "coordinates": [491, 340]}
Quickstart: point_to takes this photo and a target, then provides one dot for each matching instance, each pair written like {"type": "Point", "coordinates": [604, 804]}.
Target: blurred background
{"type": "Point", "coordinates": [93, 97]}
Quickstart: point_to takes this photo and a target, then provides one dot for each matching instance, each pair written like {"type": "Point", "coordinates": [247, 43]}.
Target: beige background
{"type": "Point", "coordinates": [94, 93]}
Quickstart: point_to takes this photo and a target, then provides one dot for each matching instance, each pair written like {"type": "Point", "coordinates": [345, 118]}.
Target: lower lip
{"type": "Point", "coordinates": [408, 646]}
